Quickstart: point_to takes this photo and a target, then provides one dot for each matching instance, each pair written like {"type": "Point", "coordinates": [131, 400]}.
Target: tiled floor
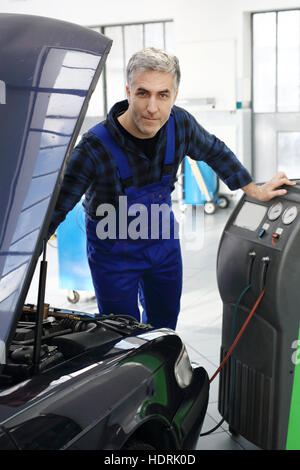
{"type": "Point", "coordinates": [200, 320]}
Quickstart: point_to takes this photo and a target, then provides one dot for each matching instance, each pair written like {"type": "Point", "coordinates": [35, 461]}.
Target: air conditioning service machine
{"type": "Point", "coordinates": [258, 271]}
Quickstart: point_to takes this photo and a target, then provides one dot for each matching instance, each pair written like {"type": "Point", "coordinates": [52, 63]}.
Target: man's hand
{"type": "Point", "coordinates": [267, 191]}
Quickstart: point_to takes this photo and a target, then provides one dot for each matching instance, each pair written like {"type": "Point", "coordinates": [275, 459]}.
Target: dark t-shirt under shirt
{"type": "Point", "coordinates": [147, 146]}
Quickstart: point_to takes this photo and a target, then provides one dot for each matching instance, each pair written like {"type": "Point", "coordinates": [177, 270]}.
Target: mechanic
{"type": "Point", "coordinates": [132, 158]}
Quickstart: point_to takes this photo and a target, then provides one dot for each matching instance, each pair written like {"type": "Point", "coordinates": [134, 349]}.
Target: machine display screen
{"type": "Point", "coordinates": [250, 216]}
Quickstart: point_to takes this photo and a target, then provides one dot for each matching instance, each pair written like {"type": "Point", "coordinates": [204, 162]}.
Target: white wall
{"type": "Point", "coordinates": [212, 43]}
{"type": "Point", "coordinates": [90, 12]}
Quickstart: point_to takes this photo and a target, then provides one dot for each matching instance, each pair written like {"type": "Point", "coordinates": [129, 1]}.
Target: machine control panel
{"type": "Point", "coordinates": [268, 223]}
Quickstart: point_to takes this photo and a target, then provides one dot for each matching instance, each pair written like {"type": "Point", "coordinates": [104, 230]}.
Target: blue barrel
{"type": "Point", "coordinates": [192, 193]}
{"type": "Point", "coordinates": [73, 268]}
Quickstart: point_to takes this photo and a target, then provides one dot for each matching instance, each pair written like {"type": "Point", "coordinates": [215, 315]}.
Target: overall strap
{"type": "Point", "coordinates": [119, 156]}
{"type": "Point", "coordinates": [170, 146]}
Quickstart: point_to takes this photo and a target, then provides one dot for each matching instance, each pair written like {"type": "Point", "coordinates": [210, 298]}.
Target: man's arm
{"type": "Point", "coordinates": [201, 145]}
{"type": "Point", "coordinates": [268, 190]}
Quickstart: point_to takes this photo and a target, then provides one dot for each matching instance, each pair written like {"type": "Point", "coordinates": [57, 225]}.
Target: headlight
{"type": "Point", "coordinates": [183, 369]}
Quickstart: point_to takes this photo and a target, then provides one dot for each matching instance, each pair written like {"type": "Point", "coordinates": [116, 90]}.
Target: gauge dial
{"type": "Point", "coordinates": [289, 215]}
{"type": "Point", "coordinates": [275, 211]}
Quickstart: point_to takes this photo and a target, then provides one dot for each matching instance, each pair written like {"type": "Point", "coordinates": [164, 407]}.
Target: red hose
{"type": "Point", "coordinates": [238, 336]}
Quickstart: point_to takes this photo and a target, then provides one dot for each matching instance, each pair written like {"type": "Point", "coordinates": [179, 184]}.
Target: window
{"type": "Point", "coordinates": [288, 68]}
{"type": "Point", "coordinates": [264, 61]}
{"type": "Point", "coordinates": [276, 61]}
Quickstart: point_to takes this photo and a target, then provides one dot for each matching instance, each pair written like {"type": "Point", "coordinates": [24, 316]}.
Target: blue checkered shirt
{"type": "Point", "coordinates": [92, 171]}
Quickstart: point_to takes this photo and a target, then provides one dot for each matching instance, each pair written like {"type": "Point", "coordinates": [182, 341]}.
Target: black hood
{"type": "Point", "coordinates": [48, 70]}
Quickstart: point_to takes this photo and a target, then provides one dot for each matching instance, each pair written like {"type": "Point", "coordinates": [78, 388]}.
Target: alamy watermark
{"type": "Point", "coordinates": [2, 92]}
{"type": "Point", "coordinates": [296, 354]}
{"type": "Point", "coordinates": [140, 222]}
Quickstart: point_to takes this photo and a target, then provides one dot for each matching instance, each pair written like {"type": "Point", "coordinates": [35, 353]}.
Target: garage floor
{"type": "Point", "coordinates": [200, 321]}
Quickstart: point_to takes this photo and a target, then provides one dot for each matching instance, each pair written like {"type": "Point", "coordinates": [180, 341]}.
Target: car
{"type": "Point", "coordinates": [71, 379]}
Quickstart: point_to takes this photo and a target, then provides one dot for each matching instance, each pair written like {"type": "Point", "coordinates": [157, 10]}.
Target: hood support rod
{"type": "Point", "coordinates": [40, 311]}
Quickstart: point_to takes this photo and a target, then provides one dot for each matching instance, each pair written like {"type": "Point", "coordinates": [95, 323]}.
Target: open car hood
{"type": "Point", "coordinates": [48, 70]}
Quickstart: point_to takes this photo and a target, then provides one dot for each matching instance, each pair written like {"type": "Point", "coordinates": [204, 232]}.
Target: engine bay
{"type": "Point", "coordinates": [65, 334]}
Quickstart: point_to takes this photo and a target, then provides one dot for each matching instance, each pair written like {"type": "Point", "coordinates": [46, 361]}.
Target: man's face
{"type": "Point", "coordinates": [150, 97]}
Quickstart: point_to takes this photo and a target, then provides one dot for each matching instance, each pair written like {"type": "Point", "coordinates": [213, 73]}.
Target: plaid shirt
{"type": "Point", "coordinates": [92, 170]}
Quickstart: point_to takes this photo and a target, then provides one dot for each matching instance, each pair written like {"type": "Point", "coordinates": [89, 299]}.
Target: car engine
{"type": "Point", "coordinates": [65, 334]}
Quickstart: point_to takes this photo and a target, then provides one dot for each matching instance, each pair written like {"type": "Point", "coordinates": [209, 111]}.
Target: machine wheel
{"type": "Point", "coordinates": [209, 207]}
{"type": "Point", "coordinates": [223, 202]}
{"type": "Point", "coordinates": [73, 296]}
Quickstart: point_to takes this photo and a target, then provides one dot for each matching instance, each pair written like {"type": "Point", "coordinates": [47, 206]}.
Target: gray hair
{"type": "Point", "coordinates": [153, 59]}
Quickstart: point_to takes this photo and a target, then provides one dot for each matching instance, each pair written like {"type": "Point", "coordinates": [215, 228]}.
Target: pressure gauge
{"type": "Point", "coordinates": [289, 215]}
{"type": "Point", "coordinates": [275, 211]}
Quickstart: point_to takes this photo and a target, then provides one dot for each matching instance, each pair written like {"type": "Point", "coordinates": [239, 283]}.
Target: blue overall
{"type": "Point", "coordinates": [123, 266]}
